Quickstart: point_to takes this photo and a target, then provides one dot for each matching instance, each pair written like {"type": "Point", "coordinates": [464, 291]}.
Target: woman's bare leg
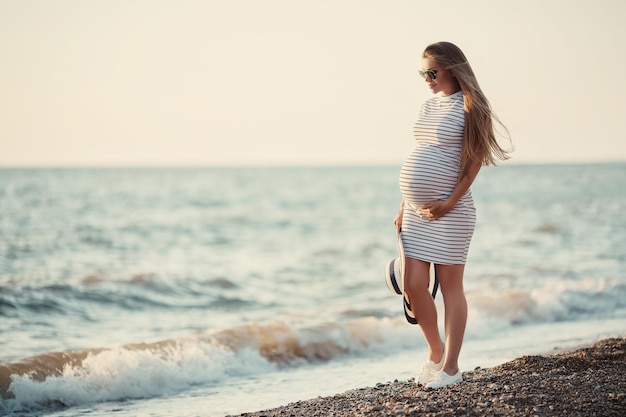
{"type": "Point", "coordinates": [416, 278]}
{"type": "Point", "coordinates": [451, 281]}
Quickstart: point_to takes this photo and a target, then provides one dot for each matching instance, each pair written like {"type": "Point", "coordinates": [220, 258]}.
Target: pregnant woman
{"type": "Point", "coordinates": [454, 137]}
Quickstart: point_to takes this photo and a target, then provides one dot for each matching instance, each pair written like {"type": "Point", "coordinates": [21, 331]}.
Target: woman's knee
{"type": "Point", "coordinates": [417, 285]}
{"type": "Point", "coordinates": [417, 276]}
{"type": "Point", "coordinates": [450, 279]}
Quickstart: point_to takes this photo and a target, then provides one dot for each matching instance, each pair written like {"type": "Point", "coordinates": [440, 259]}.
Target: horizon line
{"type": "Point", "coordinates": [284, 165]}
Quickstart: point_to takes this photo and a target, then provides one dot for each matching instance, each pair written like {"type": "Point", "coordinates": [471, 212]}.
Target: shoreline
{"type": "Point", "coordinates": [586, 381]}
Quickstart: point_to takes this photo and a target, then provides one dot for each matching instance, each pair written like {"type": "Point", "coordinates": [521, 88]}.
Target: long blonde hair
{"type": "Point", "coordinates": [479, 140]}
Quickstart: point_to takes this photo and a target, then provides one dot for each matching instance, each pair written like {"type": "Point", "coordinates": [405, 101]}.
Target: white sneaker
{"type": "Point", "coordinates": [442, 379]}
{"type": "Point", "coordinates": [428, 371]}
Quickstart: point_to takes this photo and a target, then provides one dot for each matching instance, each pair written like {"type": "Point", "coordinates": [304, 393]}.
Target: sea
{"type": "Point", "coordinates": [204, 291]}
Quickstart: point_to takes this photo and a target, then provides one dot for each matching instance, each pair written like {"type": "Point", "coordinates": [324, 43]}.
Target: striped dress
{"type": "Point", "coordinates": [431, 173]}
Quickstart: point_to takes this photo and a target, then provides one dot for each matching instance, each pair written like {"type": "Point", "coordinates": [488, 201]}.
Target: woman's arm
{"type": "Point", "coordinates": [437, 209]}
{"type": "Point", "coordinates": [398, 220]}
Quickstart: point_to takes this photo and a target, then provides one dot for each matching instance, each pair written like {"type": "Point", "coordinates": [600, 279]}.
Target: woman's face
{"type": "Point", "coordinates": [443, 81]}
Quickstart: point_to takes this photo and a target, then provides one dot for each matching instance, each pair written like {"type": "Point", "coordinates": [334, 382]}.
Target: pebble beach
{"type": "Point", "coordinates": [588, 381]}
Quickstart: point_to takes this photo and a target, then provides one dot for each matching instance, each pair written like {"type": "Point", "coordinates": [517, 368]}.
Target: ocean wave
{"type": "Point", "coordinates": [142, 370]}
{"type": "Point", "coordinates": [137, 292]}
{"type": "Point", "coordinates": [554, 300]}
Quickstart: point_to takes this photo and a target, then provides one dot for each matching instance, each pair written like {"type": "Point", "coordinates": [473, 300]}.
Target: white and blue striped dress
{"type": "Point", "coordinates": [431, 173]}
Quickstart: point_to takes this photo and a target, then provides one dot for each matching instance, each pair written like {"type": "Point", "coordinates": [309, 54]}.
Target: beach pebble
{"type": "Point", "coordinates": [421, 394]}
{"type": "Point", "coordinates": [567, 388]}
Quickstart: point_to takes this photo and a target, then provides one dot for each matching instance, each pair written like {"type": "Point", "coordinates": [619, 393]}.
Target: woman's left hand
{"type": "Point", "coordinates": [434, 210]}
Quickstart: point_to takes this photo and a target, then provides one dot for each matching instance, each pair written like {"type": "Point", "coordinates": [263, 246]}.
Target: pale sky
{"type": "Point", "coordinates": [262, 82]}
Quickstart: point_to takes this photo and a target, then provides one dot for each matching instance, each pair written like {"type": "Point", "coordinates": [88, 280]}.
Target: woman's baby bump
{"type": "Point", "coordinates": [428, 175]}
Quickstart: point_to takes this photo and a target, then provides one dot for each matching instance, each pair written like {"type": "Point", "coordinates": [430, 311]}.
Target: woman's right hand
{"type": "Point", "coordinates": [398, 220]}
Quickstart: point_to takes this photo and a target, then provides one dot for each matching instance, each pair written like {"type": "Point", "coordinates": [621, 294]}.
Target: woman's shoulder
{"type": "Point", "coordinates": [439, 102]}
{"type": "Point", "coordinates": [428, 103]}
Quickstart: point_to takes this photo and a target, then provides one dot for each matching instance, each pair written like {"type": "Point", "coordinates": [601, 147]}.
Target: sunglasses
{"type": "Point", "coordinates": [432, 74]}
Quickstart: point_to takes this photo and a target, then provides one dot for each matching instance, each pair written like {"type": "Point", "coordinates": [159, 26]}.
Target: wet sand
{"type": "Point", "coordinates": [589, 381]}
